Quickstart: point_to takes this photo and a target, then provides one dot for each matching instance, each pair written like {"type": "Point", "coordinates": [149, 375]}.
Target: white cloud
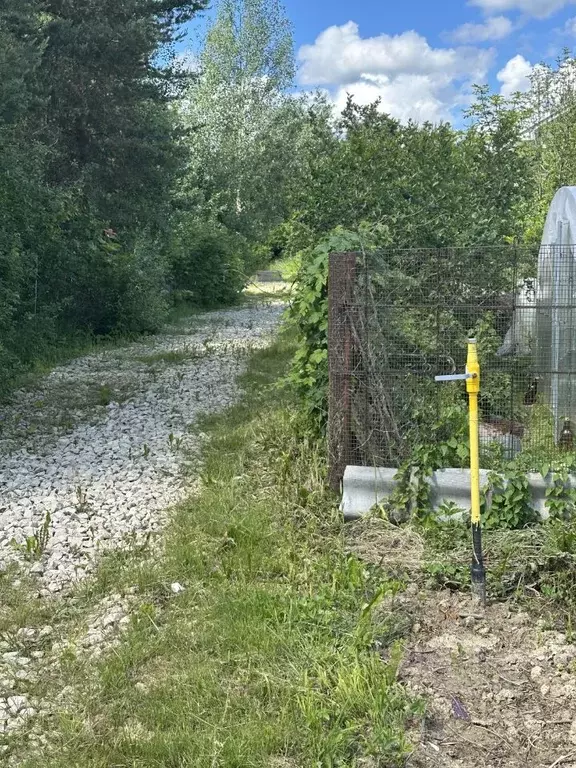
{"type": "Point", "coordinates": [494, 28]}
{"type": "Point", "coordinates": [340, 55]}
{"type": "Point", "coordinates": [515, 76]}
{"type": "Point", "coordinates": [570, 26]}
{"type": "Point", "coordinates": [416, 97]}
{"type": "Point", "coordinates": [540, 9]}
{"type": "Point", "coordinates": [412, 79]}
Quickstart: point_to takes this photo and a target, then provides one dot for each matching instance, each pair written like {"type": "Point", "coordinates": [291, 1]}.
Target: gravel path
{"type": "Point", "coordinates": [92, 458]}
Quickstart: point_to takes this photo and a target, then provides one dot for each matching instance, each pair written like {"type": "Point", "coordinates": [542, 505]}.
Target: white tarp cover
{"type": "Point", "coordinates": [555, 342]}
{"type": "Point", "coordinates": [544, 320]}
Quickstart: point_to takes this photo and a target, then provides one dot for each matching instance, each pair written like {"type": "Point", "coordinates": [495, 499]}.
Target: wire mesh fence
{"type": "Point", "coordinates": [398, 318]}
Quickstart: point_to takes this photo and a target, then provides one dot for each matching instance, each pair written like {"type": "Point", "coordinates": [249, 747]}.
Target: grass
{"type": "Point", "coordinates": [73, 345]}
{"type": "Point", "coordinates": [534, 566]}
{"type": "Point", "coordinates": [288, 266]}
{"type": "Point", "coordinates": [170, 357]}
{"type": "Point", "coordinates": [273, 656]}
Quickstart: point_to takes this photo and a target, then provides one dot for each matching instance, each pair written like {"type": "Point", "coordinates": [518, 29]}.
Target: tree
{"type": "Point", "coordinates": [243, 122]}
{"type": "Point", "coordinates": [90, 151]}
{"type": "Point", "coordinates": [551, 106]}
{"type": "Point", "coordinates": [108, 71]}
{"type": "Point", "coordinates": [24, 208]}
{"type": "Point", "coordinates": [429, 185]}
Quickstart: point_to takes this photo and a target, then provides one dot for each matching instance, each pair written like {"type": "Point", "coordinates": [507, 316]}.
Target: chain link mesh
{"type": "Point", "coordinates": [398, 318]}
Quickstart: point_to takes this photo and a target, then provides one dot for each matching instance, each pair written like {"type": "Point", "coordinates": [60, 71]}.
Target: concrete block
{"type": "Point", "coordinates": [364, 487]}
{"type": "Point", "coordinates": [269, 276]}
{"type": "Point", "coordinates": [453, 486]}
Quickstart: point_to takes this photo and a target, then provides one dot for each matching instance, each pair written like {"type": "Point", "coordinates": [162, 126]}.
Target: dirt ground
{"type": "Point", "coordinates": [500, 686]}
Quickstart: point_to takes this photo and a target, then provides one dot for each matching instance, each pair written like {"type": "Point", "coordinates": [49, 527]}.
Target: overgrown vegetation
{"type": "Point", "coordinates": [118, 196]}
{"type": "Point", "coordinates": [416, 186]}
{"type": "Point", "coordinates": [275, 650]}
{"type": "Point", "coordinates": [89, 155]}
{"type": "Point", "coordinates": [535, 566]}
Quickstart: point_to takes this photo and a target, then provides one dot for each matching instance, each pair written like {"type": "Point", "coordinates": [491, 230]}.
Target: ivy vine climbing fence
{"type": "Point", "coordinates": [398, 318]}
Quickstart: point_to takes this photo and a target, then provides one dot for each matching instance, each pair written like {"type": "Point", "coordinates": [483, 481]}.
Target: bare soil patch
{"type": "Point", "coordinates": [499, 684]}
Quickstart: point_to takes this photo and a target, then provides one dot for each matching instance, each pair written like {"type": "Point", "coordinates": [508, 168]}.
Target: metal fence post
{"type": "Point", "coordinates": [341, 280]}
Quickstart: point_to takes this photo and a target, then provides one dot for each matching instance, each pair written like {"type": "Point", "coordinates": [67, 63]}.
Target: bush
{"type": "Point", "coordinates": [309, 314]}
{"type": "Point", "coordinates": [209, 261]}
{"type": "Point", "coordinates": [144, 296]}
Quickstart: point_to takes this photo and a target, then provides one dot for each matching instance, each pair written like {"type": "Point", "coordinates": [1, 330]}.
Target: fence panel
{"type": "Point", "coordinates": [398, 317]}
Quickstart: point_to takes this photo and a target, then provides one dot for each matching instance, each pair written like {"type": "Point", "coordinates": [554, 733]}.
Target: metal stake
{"type": "Point", "coordinates": [472, 379]}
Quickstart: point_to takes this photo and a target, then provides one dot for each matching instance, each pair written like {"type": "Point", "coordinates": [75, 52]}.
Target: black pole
{"type": "Point", "coordinates": [478, 570]}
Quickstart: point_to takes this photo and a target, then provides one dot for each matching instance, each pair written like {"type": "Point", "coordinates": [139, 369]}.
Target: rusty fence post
{"type": "Point", "coordinates": [341, 280]}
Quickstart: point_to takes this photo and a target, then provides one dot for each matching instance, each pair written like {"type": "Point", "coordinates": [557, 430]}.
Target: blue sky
{"type": "Point", "coordinates": [421, 57]}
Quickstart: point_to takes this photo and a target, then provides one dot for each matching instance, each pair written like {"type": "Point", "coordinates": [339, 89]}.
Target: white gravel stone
{"type": "Point", "coordinates": [107, 480]}
{"type": "Point", "coordinates": [16, 703]}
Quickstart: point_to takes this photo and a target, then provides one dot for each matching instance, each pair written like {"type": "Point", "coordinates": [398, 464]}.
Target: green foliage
{"type": "Point", "coordinates": [90, 152]}
{"type": "Point", "coordinates": [430, 185]}
{"type": "Point", "coordinates": [560, 496]}
{"type": "Point", "coordinates": [506, 502]}
{"type": "Point", "coordinates": [309, 315]}
{"type": "Point", "coordinates": [417, 186]}
{"type": "Point", "coordinates": [35, 545]}
{"type": "Point", "coordinates": [144, 301]}
{"type": "Point", "coordinates": [244, 125]}
{"type": "Point", "coordinates": [207, 261]}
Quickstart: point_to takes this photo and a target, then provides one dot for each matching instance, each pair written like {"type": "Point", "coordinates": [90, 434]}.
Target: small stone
{"type": "Point", "coordinates": [545, 690]}
{"type": "Point", "coordinates": [176, 587]}
{"type": "Point", "coordinates": [505, 694]}
{"type": "Point", "coordinates": [565, 656]}
{"type": "Point", "coordinates": [94, 638]}
{"type": "Point", "coordinates": [536, 673]}
{"type": "Point", "coordinates": [16, 703]}
{"type": "Point", "coordinates": [484, 631]}
{"type": "Point", "coordinates": [110, 619]}
{"type": "Point", "coordinates": [15, 724]}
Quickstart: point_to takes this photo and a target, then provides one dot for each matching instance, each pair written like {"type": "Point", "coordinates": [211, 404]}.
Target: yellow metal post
{"type": "Point", "coordinates": [473, 389]}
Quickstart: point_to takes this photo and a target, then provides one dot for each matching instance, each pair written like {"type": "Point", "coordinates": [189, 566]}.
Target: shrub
{"type": "Point", "coordinates": [144, 295]}
{"type": "Point", "coordinates": [209, 261]}
{"type": "Point", "coordinates": [309, 314]}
